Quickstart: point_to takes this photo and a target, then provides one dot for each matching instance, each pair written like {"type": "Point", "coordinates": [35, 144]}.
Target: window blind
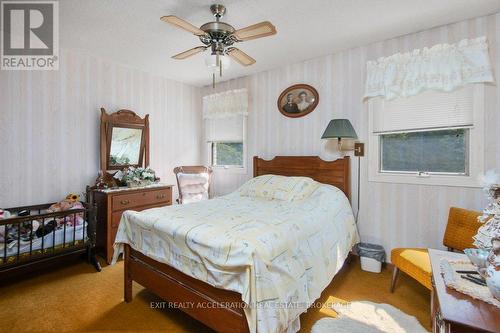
{"type": "Point", "coordinates": [427, 110]}
{"type": "Point", "coordinates": [225, 129]}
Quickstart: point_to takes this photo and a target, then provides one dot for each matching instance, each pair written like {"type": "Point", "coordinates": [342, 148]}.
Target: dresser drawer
{"type": "Point", "coordinates": [146, 198]}
{"type": "Point", "coordinates": [162, 196]}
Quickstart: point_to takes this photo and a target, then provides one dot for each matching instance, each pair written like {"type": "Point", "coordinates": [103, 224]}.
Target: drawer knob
{"type": "Point", "coordinates": [125, 202]}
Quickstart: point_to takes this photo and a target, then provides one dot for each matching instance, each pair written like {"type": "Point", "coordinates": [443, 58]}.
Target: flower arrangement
{"type": "Point", "coordinates": [491, 214]}
{"type": "Point", "coordinates": [117, 160]}
{"type": "Point", "coordinates": [135, 177]}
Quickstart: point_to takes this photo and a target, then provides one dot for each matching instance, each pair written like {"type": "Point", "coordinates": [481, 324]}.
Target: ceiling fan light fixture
{"type": "Point", "coordinates": [220, 37]}
{"type": "Point", "coordinates": [213, 61]}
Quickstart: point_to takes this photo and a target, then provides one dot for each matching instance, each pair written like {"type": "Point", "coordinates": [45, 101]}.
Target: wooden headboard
{"type": "Point", "coordinates": [336, 173]}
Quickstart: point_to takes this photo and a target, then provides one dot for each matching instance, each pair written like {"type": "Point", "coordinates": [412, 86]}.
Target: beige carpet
{"type": "Point", "coordinates": [78, 299]}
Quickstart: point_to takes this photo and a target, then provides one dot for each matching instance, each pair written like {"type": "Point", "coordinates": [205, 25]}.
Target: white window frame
{"type": "Point", "coordinates": [230, 168]}
{"type": "Point", "coordinates": [475, 152]}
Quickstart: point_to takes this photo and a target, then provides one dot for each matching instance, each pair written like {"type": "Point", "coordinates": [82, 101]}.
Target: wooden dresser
{"type": "Point", "coordinates": [454, 312]}
{"type": "Point", "coordinates": [112, 203]}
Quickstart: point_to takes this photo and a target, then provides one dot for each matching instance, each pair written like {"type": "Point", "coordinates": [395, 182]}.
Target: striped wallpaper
{"type": "Point", "coordinates": [49, 125]}
{"type": "Point", "coordinates": [391, 214]}
{"type": "Point", "coordinates": [49, 129]}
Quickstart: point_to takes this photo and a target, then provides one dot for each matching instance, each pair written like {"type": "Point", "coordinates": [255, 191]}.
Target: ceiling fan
{"type": "Point", "coordinates": [219, 37]}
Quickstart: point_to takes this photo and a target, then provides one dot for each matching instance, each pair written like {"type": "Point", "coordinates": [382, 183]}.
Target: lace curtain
{"type": "Point", "coordinates": [226, 104]}
{"type": "Point", "coordinates": [443, 67]}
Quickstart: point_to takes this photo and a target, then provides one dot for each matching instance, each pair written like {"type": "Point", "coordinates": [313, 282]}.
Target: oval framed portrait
{"type": "Point", "coordinates": [298, 100]}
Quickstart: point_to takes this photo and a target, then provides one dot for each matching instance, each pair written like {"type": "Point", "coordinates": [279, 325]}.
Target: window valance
{"type": "Point", "coordinates": [443, 67]}
{"type": "Point", "coordinates": [226, 104]}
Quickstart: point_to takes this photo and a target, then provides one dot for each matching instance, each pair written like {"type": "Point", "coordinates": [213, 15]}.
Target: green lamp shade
{"type": "Point", "coordinates": [339, 128]}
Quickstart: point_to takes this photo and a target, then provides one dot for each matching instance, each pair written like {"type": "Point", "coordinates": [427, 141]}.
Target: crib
{"type": "Point", "coordinates": [38, 236]}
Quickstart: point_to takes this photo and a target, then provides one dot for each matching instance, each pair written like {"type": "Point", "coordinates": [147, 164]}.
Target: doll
{"type": "Point", "coordinates": [4, 214]}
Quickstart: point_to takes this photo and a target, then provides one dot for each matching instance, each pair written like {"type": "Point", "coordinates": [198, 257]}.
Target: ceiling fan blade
{"type": "Point", "coordinates": [180, 23]}
{"type": "Point", "coordinates": [190, 52]}
{"type": "Point", "coordinates": [240, 56]}
{"type": "Point", "coordinates": [259, 30]}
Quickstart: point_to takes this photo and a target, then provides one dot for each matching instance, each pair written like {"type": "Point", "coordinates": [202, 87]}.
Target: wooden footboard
{"type": "Point", "coordinates": [221, 310]}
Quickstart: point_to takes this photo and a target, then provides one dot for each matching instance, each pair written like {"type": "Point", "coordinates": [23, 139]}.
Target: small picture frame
{"type": "Point", "coordinates": [298, 100]}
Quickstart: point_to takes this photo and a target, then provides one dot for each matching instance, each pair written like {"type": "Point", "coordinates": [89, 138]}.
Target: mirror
{"type": "Point", "coordinates": [125, 146]}
{"type": "Point", "coordinates": [124, 140]}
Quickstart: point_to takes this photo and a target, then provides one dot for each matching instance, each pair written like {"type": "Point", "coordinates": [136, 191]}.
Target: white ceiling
{"type": "Point", "coordinates": [130, 31]}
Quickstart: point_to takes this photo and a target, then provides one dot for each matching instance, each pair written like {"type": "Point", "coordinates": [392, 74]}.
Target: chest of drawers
{"type": "Point", "coordinates": [112, 203]}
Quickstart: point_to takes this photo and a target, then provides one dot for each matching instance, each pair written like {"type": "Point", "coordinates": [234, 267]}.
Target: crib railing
{"type": "Point", "coordinates": [43, 235]}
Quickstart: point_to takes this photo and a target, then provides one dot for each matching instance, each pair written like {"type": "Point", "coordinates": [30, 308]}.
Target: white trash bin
{"type": "Point", "coordinates": [372, 256]}
{"type": "Point", "coordinates": [371, 265]}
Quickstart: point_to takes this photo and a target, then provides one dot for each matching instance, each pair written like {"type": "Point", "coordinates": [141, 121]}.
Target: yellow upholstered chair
{"type": "Point", "coordinates": [462, 225]}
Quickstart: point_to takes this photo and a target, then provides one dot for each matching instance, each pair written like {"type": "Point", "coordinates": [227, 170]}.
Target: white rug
{"type": "Point", "coordinates": [367, 317]}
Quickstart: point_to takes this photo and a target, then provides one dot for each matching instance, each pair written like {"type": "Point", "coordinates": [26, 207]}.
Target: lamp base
{"type": "Point", "coordinates": [339, 147]}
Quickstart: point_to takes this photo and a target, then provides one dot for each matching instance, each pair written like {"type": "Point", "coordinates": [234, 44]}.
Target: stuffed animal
{"type": "Point", "coordinates": [4, 214]}
{"type": "Point", "coordinates": [71, 202]}
{"type": "Point", "coordinates": [64, 205]}
{"type": "Point", "coordinates": [73, 197]}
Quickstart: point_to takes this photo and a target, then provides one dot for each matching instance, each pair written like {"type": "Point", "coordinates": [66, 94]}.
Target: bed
{"type": "Point", "coordinates": [241, 262]}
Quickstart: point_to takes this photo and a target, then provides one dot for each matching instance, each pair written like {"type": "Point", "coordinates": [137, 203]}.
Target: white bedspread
{"type": "Point", "coordinates": [279, 255]}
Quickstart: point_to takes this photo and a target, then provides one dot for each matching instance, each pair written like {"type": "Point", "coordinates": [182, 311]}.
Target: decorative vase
{"type": "Point", "coordinates": [493, 269]}
{"type": "Point", "coordinates": [493, 281]}
{"type": "Point", "coordinates": [133, 184]}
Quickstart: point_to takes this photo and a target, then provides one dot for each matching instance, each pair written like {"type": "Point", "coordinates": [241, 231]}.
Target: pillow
{"type": "Point", "coordinates": [273, 187]}
{"type": "Point", "coordinates": [194, 197]}
{"type": "Point", "coordinates": [194, 187]}
{"type": "Point", "coordinates": [192, 178]}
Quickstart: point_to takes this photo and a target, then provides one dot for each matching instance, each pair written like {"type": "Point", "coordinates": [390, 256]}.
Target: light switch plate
{"type": "Point", "coordinates": [359, 149]}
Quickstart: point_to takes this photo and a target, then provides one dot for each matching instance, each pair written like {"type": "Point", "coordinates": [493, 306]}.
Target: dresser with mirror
{"type": "Point", "coordinates": [124, 145]}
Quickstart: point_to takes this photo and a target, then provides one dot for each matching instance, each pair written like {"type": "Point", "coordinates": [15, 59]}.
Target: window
{"type": "Point", "coordinates": [225, 116]}
{"type": "Point", "coordinates": [227, 154]}
{"type": "Point", "coordinates": [434, 138]}
{"type": "Point", "coordinates": [226, 144]}
{"type": "Point", "coordinates": [442, 151]}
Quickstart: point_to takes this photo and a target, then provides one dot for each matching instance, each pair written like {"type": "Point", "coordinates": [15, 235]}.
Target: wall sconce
{"type": "Point", "coordinates": [342, 128]}
{"type": "Point", "coordinates": [338, 129]}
